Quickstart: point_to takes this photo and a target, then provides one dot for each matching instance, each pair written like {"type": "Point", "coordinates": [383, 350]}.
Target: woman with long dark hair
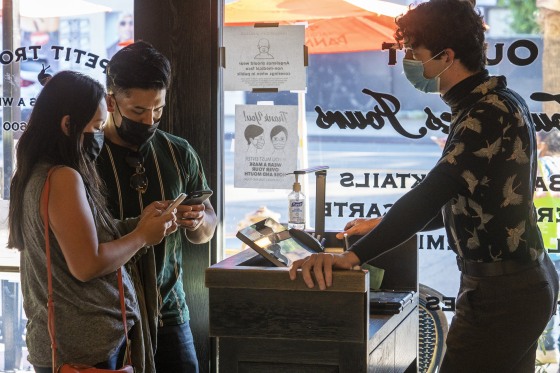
{"type": "Point", "coordinates": [64, 136]}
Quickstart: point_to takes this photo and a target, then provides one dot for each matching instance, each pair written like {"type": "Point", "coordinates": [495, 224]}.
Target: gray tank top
{"type": "Point", "coordinates": [88, 317]}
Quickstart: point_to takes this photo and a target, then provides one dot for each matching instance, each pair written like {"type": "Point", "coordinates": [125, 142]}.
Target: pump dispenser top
{"type": "Point", "coordinates": [297, 186]}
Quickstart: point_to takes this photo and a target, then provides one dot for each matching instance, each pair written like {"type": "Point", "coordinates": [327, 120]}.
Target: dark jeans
{"type": "Point", "coordinates": [114, 361]}
{"type": "Point", "coordinates": [175, 350]}
{"type": "Point", "coordinates": [498, 321]}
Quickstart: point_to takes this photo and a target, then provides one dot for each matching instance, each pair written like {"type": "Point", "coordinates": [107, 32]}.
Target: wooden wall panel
{"type": "Point", "coordinates": [187, 32]}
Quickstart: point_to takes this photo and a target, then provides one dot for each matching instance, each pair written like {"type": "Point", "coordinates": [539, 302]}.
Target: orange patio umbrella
{"type": "Point", "coordinates": [333, 26]}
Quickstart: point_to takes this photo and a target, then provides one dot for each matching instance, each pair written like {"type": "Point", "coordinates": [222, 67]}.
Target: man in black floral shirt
{"type": "Point", "coordinates": [481, 191]}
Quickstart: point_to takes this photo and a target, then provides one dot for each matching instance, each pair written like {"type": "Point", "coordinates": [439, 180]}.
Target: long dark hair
{"type": "Point", "coordinates": [66, 93]}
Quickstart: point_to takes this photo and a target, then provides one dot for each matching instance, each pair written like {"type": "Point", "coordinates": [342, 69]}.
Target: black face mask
{"type": "Point", "coordinates": [93, 143]}
{"type": "Point", "coordinates": [135, 133]}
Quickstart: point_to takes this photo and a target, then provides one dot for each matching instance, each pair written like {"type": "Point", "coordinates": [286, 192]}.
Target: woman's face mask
{"type": "Point", "coordinates": [414, 71]}
{"type": "Point", "coordinates": [93, 143]}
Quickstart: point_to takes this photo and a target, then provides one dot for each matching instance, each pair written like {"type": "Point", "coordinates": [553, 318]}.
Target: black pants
{"type": "Point", "coordinates": [498, 321]}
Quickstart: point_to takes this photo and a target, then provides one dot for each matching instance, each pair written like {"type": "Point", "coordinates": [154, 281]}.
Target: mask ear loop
{"type": "Point", "coordinates": [434, 57]}
{"type": "Point", "coordinates": [444, 70]}
{"type": "Point", "coordinates": [118, 109]}
{"type": "Point", "coordinates": [117, 104]}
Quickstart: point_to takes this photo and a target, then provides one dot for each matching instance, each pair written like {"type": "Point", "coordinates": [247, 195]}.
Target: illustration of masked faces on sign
{"type": "Point", "coordinates": [278, 137]}
{"type": "Point", "coordinates": [264, 46]}
{"type": "Point", "coordinates": [255, 139]}
{"type": "Point", "coordinates": [268, 146]}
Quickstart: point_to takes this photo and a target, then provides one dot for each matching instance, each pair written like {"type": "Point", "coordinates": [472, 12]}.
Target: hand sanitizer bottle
{"type": "Point", "coordinates": [296, 207]}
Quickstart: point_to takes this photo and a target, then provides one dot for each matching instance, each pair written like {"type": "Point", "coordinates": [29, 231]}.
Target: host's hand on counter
{"type": "Point", "coordinates": [322, 264]}
{"type": "Point", "coordinates": [358, 227]}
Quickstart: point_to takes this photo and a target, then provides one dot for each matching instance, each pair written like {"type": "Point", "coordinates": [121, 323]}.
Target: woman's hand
{"type": "Point", "coordinates": [359, 227]}
{"type": "Point", "coordinates": [322, 265]}
{"type": "Point", "coordinates": [157, 205]}
{"type": "Point", "coordinates": [154, 224]}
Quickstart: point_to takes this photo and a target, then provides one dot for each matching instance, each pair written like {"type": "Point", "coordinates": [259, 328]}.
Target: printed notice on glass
{"type": "Point", "coordinates": [264, 58]}
{"type": "Point", "coordinates": [266, 142]}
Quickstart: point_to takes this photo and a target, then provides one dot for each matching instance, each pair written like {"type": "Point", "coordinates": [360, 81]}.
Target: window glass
{"type": "Point", "coordinates": [59, 37]}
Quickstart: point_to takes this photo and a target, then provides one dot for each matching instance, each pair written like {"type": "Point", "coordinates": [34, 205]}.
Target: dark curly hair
{"type": "Point", "coordinates": [440, 24]}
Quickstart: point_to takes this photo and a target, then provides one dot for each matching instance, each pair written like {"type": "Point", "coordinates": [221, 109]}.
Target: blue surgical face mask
{"type": "Point", "coordinates": [93, 143]}
{"type": "Point", "coordinates": [414, 71]}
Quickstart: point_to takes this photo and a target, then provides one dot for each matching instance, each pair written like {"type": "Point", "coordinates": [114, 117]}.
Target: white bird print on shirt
{"type": "Point", "coordinates": [490, 150]}
{"type": "Point", "coordinates": [534, 253]}
{"type": "Point", "coordinates": [484, 218]}
{"type": "Point", "coordinates": [457, 241]}
{"type": "Point", "coordinates": [496, 257]}
{"type": "Point", "coordinates": [486, 86]}
{"type": "Point", "coordinates": [506, 128]}
{"type": "Point", "coordinates": [460, 207]}
{"type": "Point", "coordinates": [473, 242]}
{"type": "Point", "coordinates": [471, 123]}
{"type": "Point", "coordinates": [451, 155]}
{"type": "Point", "coordinates": [518, 154]}
{"type": "Point", "coordinates": [495, 101]}
{"type": "Point", "coordinates": [514, 236]}
{"type": "Point", "coordinates": [510, 197]}
{"type": "Point", "coordinates": [519, 117]}
{"type": "Point", "coordinates": [471, 180]}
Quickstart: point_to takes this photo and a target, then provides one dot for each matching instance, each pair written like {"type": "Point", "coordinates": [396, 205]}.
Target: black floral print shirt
{"type": "Point", "coordinates": [481, 189]}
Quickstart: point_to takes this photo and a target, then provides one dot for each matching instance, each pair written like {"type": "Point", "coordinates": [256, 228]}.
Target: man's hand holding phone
{"type": "Point", "coordinates": [190, 213]}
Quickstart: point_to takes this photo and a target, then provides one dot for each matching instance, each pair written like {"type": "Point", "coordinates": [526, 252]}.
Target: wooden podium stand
{"type": "Point", "coordinates": [265, 323]}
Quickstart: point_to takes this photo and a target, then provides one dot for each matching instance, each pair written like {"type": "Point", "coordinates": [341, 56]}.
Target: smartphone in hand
{"type": "Point", "coordinates": [176, 202]}
{"type": "Point", "coordinates": [197, 197]}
